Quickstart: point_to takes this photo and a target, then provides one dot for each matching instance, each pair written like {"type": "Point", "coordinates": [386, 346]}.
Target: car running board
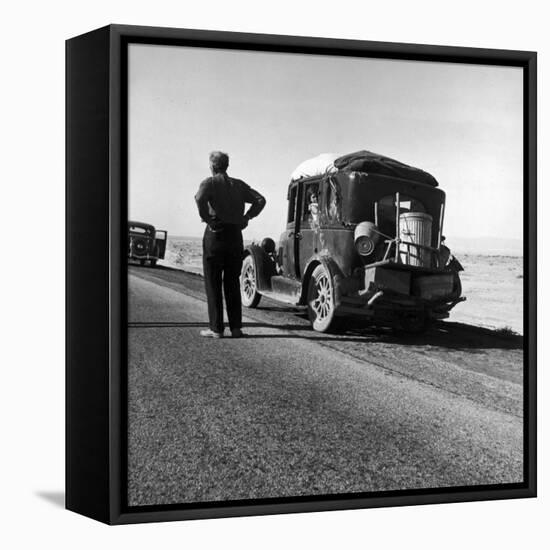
{"type": "Point", "coordinates": [283, 298]}
{"type": "Point", "coordinates": [284, 289]}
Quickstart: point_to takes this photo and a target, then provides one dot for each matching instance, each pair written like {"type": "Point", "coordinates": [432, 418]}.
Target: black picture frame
{"type": "Point", "coordinates": [96, 291]}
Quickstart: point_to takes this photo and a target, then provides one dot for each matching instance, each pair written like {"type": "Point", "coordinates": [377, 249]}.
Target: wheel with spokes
{"type": "Point", "coordinates": [320, 300]}
{"type": "Point", "coordinates": [249, 293]}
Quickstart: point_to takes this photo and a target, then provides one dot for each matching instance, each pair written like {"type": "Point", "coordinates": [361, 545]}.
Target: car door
{"type": "Point", "coordinates": [307, 242]}
{"type": "Point", "coordinates": [160, 243]}
{"type": "Point", "coordinates": [291, 237]}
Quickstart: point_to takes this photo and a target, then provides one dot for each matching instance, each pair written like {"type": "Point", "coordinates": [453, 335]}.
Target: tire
{"type": "Point", "coordinates": [153, 263]}
{"type": "Point", "coordinates": [142, 262]}
{"type": "Point", "coordinates": [249, 294]}
{"type": "Point", "coordinates": [320, 300]}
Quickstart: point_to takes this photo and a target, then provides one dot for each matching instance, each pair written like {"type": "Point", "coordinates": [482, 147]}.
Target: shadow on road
{"type": "Point", "coordinates": [198, 324]}
{"type": "Point", "coordinates": [449, 335]}
{"type": "Point", "coordinates": [444, 334]}
{"type": "Point", "coordinates": [457, 336]}
{"type": "Point", "coordinates": [165, 324]}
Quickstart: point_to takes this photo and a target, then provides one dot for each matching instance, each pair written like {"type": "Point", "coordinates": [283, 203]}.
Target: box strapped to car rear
{"type": "Point", "coordinates": [433, 287]}
{"type": "Point", "coordinates": [387, 280]}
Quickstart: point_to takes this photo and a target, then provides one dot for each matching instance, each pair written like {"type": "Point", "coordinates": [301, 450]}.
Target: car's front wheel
{"type": "Point", "coordinates": [250, 296]}
{"type": "Point", "coordinates": [320, 300]}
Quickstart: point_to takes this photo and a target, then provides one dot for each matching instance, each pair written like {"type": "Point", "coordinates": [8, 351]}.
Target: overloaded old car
{"type": "Point", "coordinates": [145, 243]}
{"type": "Point", "coordinates": [363, 238]}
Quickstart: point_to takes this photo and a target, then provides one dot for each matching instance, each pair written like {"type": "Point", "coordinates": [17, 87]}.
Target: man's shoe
{"type": "Point", "coordinates": [237, 333]}
{"type": "Point", "coordinates": [210, 334]}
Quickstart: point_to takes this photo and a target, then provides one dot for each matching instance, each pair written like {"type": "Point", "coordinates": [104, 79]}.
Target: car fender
{"type": "Point", "coordinates": [263, 265]}
{"type": "Point", "coordinates": [332, 267]}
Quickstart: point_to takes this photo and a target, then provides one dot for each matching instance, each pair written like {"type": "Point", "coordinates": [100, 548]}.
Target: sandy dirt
{"type": "Point", "coordinates": [493, 286]}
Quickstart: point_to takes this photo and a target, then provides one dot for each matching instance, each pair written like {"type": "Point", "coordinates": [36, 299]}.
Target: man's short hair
{"type": "Point", "coordinates": [219, 161]}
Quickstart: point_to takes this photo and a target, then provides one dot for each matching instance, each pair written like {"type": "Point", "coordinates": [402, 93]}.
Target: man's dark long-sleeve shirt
{"type": "Point", "coordinates": [222, 199]}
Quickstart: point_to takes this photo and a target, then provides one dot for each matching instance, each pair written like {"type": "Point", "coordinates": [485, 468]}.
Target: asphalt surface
{"type": "Point", "coordinates": [289, 412]}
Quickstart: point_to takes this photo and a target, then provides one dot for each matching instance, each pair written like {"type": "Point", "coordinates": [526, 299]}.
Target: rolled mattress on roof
{"type": "Point", "coordinates": [317, 166]}
{"type": "Point", "coordinates": [361, 161]}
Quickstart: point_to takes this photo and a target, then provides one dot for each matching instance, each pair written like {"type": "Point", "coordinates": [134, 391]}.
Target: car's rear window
{"type": "Point", "coordinates": [138, 229]}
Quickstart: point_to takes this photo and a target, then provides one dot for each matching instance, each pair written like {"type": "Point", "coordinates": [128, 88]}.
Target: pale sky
{"type": "Point", "coordinates": [271, 111]}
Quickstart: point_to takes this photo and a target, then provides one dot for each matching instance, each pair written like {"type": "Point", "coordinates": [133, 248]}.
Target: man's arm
{"type": "Point", "coordinates": [201, 198]}
{"type": "Point", "coordinates": [256, 200]}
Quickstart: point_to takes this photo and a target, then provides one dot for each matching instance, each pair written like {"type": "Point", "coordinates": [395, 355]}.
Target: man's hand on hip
{"type": "Point", "coordinates": [246, 219]}
{"type": "Point", "coordinates": [215, 225]}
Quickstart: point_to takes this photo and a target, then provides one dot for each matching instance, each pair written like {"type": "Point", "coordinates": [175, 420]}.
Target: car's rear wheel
{"type": "Point", "coordinates": [153, 263]}
{"type": "Point", "coordinates": [142, 262]}
{"type": "Point", "coordinates": [249, 286]}
{"type": "Point", "coordinates": [320, 300]}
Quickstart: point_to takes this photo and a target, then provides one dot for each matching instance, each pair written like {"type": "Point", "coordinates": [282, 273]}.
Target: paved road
{"type": "Point", "coordinates": [288, 412]}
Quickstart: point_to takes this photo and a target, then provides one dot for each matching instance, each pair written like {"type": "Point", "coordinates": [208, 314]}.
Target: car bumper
{"type": "Point", "coordinates": [385, 291]}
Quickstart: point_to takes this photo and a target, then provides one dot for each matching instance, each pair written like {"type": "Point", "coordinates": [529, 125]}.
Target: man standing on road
{"type": "Point", "coordinates": [221, 202]}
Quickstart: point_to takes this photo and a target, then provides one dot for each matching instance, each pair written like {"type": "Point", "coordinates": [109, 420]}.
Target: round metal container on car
{"type": "Point", "coordinates": [415, 228]}
{"type": "Point", "coordinates": [365, 236]}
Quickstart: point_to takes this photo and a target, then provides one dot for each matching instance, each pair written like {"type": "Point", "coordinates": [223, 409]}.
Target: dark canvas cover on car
{"type": "Point", "coordinates": [366, 161]}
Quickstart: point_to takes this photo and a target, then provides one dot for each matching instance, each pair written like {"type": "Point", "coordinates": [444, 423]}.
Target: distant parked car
{"type": "Point", "coordinates": [363, 238]}
{"type": "Point", "coordinates": [145, 243]}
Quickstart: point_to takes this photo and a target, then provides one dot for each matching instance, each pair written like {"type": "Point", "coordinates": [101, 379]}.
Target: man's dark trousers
{"type": "Point", "coordinates": [222, 260]}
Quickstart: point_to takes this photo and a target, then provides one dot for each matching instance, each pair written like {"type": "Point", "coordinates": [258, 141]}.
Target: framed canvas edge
{"type": "Point", "coordinates": [530, 264]}
{"type": "Point", "coordinates": [320, 505]}
{"type": "Point", "coordinates": [87, 362]}
{"type": "Point", "coordinates": [120, 36]}
{"type": "Point", "coordinates": [320, 45]}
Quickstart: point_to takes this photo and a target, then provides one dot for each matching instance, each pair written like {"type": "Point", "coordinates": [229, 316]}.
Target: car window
{"type": "Point", "coordinates": [310, 204]}
{"type": "Point", "coordinates": [137, 229]}
{"type": "Point", "coordinates": [292, 203]}
{"type": "Point", "coordinates": [334, 201]}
